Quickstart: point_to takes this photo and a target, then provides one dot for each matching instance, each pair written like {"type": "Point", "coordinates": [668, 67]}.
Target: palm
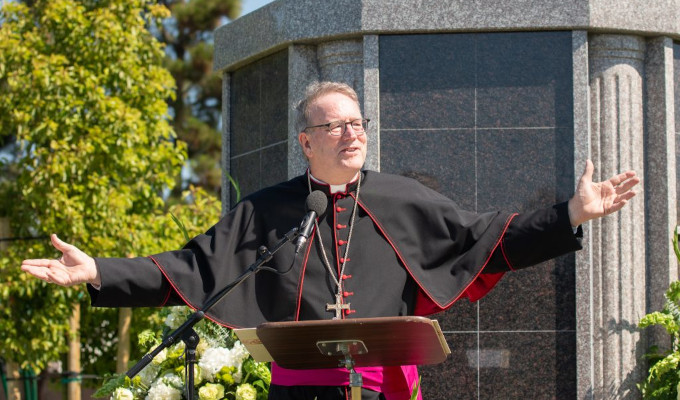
{"type": "Point", "coordinates": [72, 268]}
{"type": "Point", "coordinates": [597, 199]}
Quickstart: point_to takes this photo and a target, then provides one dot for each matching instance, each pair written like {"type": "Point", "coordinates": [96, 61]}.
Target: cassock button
{"type": "Point", "coordinates": [347, 294]}
{"type": "Point", "coordinates": [340, 209]}
{"type": "Point", "coordinates": [342, 242]}
{"type": "Point", "coordinates": [340, 226]}
{"type": "Point", "coordinates": [342, 259]}
{"type": "Point", "coordinates": [347, 312]}
{"type": "Point", "coordinates": [347, 277]}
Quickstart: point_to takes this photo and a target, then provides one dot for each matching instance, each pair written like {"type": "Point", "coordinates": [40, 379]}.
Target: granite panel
{"type": "Point", "coordinates": [246, 171]}
{"type": "Point", "coordinates": [274, 166]}
{"type": "Point", "coordinates": [274, 98]}
{"type": "Point", "coordinates": [427, 81]}
{"type": "Point", "coordinates": [456, 378]}
{"type": "Point", "coordinates": [259, 104]}
{"type": "Point", "coordinates": [524, 79]}
{"type": "Point", "coordinates": [676, 74]}
{"type": "Point", "coordinates": [245, 110]}
{"type": "Point", "coordinates": [441, 159]}
{"type": "Point", "coordinates": [531, 365]}
{"type": "Point", "coordinates": [461, 317]}
{"type": "Point", "coordinates": [537, 298]}
{"type": "Point", "coordinates": [519, 169]}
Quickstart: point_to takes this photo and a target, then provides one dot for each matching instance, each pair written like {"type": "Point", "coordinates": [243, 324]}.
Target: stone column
{"type": "Point", "coordinates": [372, 99]}
{"type": "Point", "coordinates": [303, 69]}
{"type": "Point", "coordinates": [342, 61]}
{"type": "Point", "coordinates": [616, 64]}
{"type": "Point", "coordinates": [660, 185]}
{"type": "Point", "coordinates": [226, 142]}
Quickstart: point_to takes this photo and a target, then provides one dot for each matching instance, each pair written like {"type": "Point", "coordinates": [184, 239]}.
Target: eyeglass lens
{"type": "Point", "coordinates": [338, 127]}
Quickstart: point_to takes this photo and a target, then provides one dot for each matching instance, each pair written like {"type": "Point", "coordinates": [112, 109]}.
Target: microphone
{"type": "Point", "coordinates": [314, 206]}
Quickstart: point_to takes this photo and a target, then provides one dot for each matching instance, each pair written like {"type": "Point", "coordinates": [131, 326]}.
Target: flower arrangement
{"type": "Point", "coordinates": [663, 377]}
{"type": "Point", "coordinates": [225, 369]}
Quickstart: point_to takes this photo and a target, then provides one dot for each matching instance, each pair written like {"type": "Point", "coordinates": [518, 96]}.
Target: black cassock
{"type": "Point", "coordinates": [412, 252]}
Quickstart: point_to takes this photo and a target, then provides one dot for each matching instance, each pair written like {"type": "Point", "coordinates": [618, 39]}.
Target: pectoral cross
{"type": "Point", "coordinates": [337, 307]}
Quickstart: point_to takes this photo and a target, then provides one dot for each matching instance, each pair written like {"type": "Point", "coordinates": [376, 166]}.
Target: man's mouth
{"type": "Point", "coordinates": [349, 150]}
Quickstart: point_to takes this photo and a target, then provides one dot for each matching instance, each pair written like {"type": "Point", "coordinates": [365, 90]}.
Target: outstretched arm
{"type": "Point", "coordinates": [72, 268]}
{"type": "Point", "coordinates": [597, 199]}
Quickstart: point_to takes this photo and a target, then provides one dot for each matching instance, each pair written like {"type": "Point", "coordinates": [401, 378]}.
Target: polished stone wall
{"type": "Point", "coordinates": [258, 145]}
{"type": "Point", "coordinates": [676, 73]}
{"type": "Point", "coordinates": [497, 104]}
{"type": "Point", "coordinates": [487, 119]}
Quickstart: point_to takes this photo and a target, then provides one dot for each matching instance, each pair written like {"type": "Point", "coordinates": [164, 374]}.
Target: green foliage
{"type": "Point", "coordinates": [664, 367]}
{"type": "Point", "coordinates": [224, 369]}
{"type": "Point", "coordinates": [188, 34]}
{"type": "Point", "coordinates": [83, 90]}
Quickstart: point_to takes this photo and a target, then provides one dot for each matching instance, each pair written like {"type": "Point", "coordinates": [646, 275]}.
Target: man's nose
{"type": "Point", "coordinates": [349, 131]}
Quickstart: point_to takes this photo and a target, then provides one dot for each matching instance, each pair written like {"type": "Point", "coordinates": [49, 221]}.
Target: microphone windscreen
{"type": "Point", "coordinates": [317, 202]}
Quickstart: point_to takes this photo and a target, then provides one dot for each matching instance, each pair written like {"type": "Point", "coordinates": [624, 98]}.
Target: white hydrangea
{"type": "Point", "coordinates": [246, 392]}
{"type": "Point", "coordinates": [215, 358]}
{"type": "Point", "coordinates": [240, 352]}
{"type": "Point", "coordinates": [211, 391]}
{"type": "Point", "coordinates": [176, 317]}
{"type": "Point", "coordinates": [149, 373]}
{"type": "Point", "coordinates": [160, 357]}
{"type": "Point", "coordinates": [162, 391]}
{"type": "Point", "coordinates": [122, 394]}
{"type": "Point", "coordinates": [173, 380]}
{"type": "Point", "coordinates": [212, 361]}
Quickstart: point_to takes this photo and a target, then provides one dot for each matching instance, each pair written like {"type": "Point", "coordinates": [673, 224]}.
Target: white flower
{"type": "Point", "coordinates": [122, 394]}
{"type": "Point", "coordinates": [215, 358]}
{"type": "Point", "coordinates": [160, 357]}
{"type": "Point", "coordinates": [162, 391]}
{"type": "Point", "coordinates": [211, 391]}
{"type": "Point", "coordinates": [172, 379]}
{"type": "Point", "coordinates": [176, 317]}
{"type": "Point", "coordinates": [149, 373]}
{"type": "Point", "coordinates": [246, 392]}
{"type": "Point", "coordinates": [238, 375]}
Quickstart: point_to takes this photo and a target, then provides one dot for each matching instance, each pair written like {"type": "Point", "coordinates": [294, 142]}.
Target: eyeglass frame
{"type": "Point", "coordinates": [344, 126]}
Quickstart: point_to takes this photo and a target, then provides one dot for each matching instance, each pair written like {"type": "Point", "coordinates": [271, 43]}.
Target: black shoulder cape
{"type": "Point", "coordinates": [413, 252]}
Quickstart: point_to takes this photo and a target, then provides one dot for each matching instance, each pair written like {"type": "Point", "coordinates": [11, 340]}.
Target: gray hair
{"type": "Point", "coordinates": [313, 92]}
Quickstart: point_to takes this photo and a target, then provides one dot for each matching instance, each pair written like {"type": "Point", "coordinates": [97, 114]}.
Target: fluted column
{"type": "Point", "coordinates": [616, 64]}
{"type": "Point", "coordinates": [342, 61]}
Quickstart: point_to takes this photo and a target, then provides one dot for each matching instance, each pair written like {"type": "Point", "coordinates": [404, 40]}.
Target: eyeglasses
{"type": "Point", "coordinates": [337, 128]}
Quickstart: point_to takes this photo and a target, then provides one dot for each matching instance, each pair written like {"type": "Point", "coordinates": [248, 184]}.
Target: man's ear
{"type": "Point", "coordinates": [305, 143]}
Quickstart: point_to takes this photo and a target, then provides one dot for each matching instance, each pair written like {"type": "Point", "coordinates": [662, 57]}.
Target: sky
{"type": "Point", "coordinates": [252, 5]}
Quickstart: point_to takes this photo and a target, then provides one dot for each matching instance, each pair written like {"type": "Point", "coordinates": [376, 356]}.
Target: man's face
{"type": "Point", "coordinates": [333, 159]}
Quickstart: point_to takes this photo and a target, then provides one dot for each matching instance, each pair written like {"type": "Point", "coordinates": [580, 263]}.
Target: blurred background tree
{"type": "Point", "coordinates": [83, 92]}
{"type": "Point", "coordinates": [196, 107]}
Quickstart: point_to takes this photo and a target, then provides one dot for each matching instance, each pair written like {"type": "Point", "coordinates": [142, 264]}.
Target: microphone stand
{"type": "Point", "coordinates": [186, 331]}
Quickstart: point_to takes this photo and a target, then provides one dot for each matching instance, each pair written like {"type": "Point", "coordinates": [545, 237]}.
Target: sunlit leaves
{"type": "Point", "coordinates": [83, 90]}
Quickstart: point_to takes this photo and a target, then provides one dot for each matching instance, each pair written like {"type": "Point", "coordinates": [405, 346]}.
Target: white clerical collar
{"type": "Point", "coordinates": [335, 188]}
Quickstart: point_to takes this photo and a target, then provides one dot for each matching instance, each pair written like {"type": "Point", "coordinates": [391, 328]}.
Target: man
{"type": "Point", "coordinates": [386, 246]}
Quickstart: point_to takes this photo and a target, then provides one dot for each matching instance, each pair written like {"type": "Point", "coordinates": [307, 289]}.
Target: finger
{"type": "Point", "coordinates": [44, 263]}
{"type": "Point", "coordinates": [38, 272]}
{"type": "Point", "coordinates": [58, 243]}
{"type": "Point", "coordinates": [588, 171]}
{"type": "Point", "coordinates": [617, 179]}
{"type": "Point", "coordinates": [627, 185]}
{"type": "Point", "coordinates": [625, 197]}
{"type": "Point", "coordinates": [617, 206]}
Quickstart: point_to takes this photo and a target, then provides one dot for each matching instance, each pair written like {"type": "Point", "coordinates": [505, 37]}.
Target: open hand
{"type": "Point", "coordinates": [597, 199]}
{"type": "Point", "coordinates": [72, 268]}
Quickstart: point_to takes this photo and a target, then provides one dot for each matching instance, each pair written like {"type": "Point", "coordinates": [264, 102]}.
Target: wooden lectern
{"type": "Point", "coordinates": [349, 343]}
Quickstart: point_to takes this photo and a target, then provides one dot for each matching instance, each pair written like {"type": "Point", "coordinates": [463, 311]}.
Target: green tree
{"type": "Point", "coordinates": [196, 107]}
{"type": "Point", "coordinates": [83, 91]}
